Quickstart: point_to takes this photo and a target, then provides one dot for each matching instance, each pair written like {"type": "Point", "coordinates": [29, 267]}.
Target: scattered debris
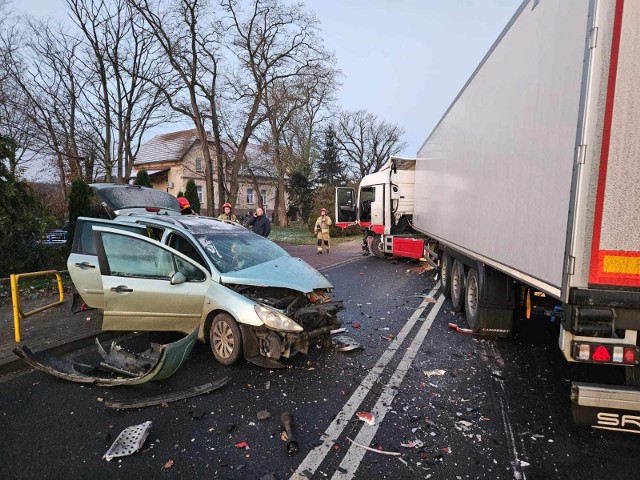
{"type": "Point", "coordinates": [338, 330]}
{"type": "Point", "coordinates": [463, 425]}
{"type": "Point", "coordinates": [439, 372]}
{"type": "Point", "coordinates": [366, 417]}
{"type": "Point", "coordinates": [387, 337]}
{"type": "Point", "coordinates": [243, 445]}
{"type": "Point", "coordinates": [458, 329]}
{"type": "Point", "coordinates": [413, 444]}
{"type": "Point", "coordinates": [171, 397]}
{"type": "Point", "coordinates": [231, 427]}
{"type": "Point", "coordinates": [167, 466]}
{"type": "Point", "coordinates": [383, 452]}
{"type": "Point", "coordinates": [356, 325]}
{"type": "Point", "coordinates": [344, 343]}
{"type": "Point", "coordinates": [286, 420]}
{"type": "Point", "coordinates": [263, 415]}
{"type": "Point", "coordinates": [524, 464]}
{"type": "Point", "coordinates": [129, 441]}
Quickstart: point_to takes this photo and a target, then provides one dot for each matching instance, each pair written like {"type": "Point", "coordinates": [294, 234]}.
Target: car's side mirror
{"type": "Point", "coordinates": [178, 278]}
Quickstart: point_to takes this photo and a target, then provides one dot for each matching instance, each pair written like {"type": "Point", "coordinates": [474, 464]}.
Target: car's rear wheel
{"type": "Point", "coordinates": [225, 339]}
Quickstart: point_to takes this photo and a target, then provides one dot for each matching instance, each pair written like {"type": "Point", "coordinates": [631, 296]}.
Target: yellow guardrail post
{"type": "Point", "coordinates": [15, 297]}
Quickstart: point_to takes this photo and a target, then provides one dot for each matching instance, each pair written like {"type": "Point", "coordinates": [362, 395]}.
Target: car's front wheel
{"type": "Point", "coordinates": [225, 339]}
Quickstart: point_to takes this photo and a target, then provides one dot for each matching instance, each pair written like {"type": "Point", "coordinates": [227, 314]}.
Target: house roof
{"type": "Point", "coordinates": [168, 147]}
{"type": "Point", "coordinates": [171, 147]}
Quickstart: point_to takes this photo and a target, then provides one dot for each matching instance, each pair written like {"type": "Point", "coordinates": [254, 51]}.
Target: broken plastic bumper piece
{"type": "Point", "coordinates": [157, 363]}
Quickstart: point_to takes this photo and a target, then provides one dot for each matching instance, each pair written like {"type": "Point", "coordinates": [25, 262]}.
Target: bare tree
{"type": "Point", "coordinates": [180, 32]}
{"type": "Point", "coordinates": [366, 141]}
{"type": "Point", "coordinates": [276, 45]}
{"type": "Point", "coordinates": [46, 71]}
{"type": "Point", "coordinates": [124, 104]}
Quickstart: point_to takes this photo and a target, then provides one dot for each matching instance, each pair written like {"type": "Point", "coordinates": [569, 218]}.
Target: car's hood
{"type": "Point", "coordinates": [285, 272]}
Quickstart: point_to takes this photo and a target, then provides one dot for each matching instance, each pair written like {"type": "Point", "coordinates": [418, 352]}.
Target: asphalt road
{"type": "Point", "coordinates": [462, 406]}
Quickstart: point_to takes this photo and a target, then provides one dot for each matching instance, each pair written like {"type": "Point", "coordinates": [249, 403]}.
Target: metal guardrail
{"type": "Point", "coordinates": [18, 314]}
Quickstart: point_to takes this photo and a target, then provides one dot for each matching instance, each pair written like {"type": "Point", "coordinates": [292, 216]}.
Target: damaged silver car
{"type": "Point", "coordinates": [246, 295]}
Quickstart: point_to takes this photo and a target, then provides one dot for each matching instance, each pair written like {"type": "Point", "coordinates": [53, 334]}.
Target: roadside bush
{"type": "Point", "coordinates": [22, 221]}
{"type": "Point", "coordinates": [79, 205]}
{"type": "Point", "coordinates": [191, 194]}
{"type": "Point", "coordinates": [142, 179]}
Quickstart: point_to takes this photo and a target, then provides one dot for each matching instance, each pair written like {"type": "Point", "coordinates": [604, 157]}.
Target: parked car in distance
{"type": "Point", "coordinates": [248, 296]}
{"type": "Point", "coordinates": [54, 237]}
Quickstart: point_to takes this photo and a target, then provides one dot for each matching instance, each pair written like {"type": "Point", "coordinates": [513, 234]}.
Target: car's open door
{"type": "Point", "coordinates": [346, 207]}
{"type": "Point", "coordinates": [83, 261]}
{"type": "Point", "coordinates": [147, 285]}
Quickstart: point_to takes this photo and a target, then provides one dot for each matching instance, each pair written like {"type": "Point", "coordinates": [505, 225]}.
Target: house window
{"type": "Point", "coordinates": [198, 164]}
{"type": "Point", "coordinates": [250, 196]}
{"type": "Point", "coordinates": [263, 194]}
{"type": "Point", "coordinates": [199, 191]}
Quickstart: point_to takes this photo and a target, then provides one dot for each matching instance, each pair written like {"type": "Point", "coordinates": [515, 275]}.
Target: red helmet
{"type": "Point", "coordinates": [226, 205]}
{"type": "Point", "coordinates": [323, 210]}
{"type": "Point", "coordinates": [183, 202]}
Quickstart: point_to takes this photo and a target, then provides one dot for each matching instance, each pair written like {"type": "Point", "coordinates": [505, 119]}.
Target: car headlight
{"type": "Point", "coordinates": [276, 320]}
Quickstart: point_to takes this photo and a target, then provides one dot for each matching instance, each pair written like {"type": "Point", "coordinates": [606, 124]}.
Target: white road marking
{"type": "Point", "coordinates": [518, 473]}
{"type": "Point", "coordinates": [354, 455]}
{"type": "Point", "coordinates": [316, 456]}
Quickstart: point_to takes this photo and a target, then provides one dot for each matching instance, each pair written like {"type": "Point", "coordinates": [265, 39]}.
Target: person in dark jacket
{"type": "Point", "coordinates": [260, 224]}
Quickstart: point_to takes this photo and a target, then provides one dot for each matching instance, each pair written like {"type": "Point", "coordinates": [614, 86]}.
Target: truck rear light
{"type": "Point", "coordinates": [584, 353]}
{"type": "Point", "coordinates": [630, 355]}
{"type": "Point", "coordinates": [152, 209]}
{"type": "Point", "coordinates": [618, 353]}
{"type": "Point", "coordinates": [605, 353]}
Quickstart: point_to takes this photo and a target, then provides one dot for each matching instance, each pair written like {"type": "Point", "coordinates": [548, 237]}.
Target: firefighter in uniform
{"type": "Point", "coordinates": [227, 215]}
{"type": "Point", "coordinates": [322, 230]}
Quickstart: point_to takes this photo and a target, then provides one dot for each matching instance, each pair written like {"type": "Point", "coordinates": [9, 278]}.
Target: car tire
{"type": "Point", "coordinates": [377, 248]}
{"type": "Point", "coordinates": [225, 339]}
{"type": "Point", "coordinates": [472, 300]}
{"type": "Point", "coordinates": [445, 275]}
{"type": "Point", "coordinates": [457, 286]}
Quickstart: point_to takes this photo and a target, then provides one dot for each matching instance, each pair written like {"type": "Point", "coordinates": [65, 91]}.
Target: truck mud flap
{"type": "Point", "coordinates": [157, 363]}
{"type": "Point", "coordinates": [606, 407]}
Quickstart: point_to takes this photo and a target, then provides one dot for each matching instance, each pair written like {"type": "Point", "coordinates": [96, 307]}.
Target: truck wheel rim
{"type": "Point", "coordinates": [472, 296]}
{"type": "Point", "coordinates": [455, 282]}
{"type": "Point", "coordinates": [445, 272]}
{"type": "Point", "coordinates": [223, 340]}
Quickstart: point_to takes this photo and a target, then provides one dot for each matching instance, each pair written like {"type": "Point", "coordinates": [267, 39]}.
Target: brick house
{"type": "Point", "coordinates": [172, 159]}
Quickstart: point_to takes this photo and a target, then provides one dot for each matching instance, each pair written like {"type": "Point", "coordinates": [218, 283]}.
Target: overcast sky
{"type": "Point", "coordinates": [403, 60]}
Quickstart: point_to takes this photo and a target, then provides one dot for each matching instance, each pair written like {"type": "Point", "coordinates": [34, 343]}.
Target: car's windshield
{"type": "Point", "coordinates": [130, 197]}
{"type": "Point", "coordinates": [238, 250]}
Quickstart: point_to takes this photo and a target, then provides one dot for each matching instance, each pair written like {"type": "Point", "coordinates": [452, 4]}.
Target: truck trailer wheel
{"type": "Point", "coordinates": [445, 275]}
{"type": "Point", "coordinates": [377, 248]}
{"type": "Point", "coordinates": [457, 286]}
{"type": "Point", "coordinates": [471, 303]}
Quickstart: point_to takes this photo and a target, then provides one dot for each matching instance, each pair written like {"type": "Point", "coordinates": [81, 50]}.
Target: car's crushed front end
{"type": "Point", "coordinates": [292, 321]}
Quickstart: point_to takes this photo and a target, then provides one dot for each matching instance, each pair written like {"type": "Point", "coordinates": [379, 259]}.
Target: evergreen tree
{"type": "Point", "coordinates": [22, 220]}
{"type": "Point", "coordinates": [300, 195]}
{"type": "Point", "coordinates": [191, 194]}
{"type": "Point", "coordinates": [143, 179]}
{"type": "Point", "coordinates": [79, 205]}
{"type": "Point", "coordinates": [331, 170]}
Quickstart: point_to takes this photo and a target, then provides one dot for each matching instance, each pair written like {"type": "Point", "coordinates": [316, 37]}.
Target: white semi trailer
{"type": "Point", "coordinates": [527, 192]}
